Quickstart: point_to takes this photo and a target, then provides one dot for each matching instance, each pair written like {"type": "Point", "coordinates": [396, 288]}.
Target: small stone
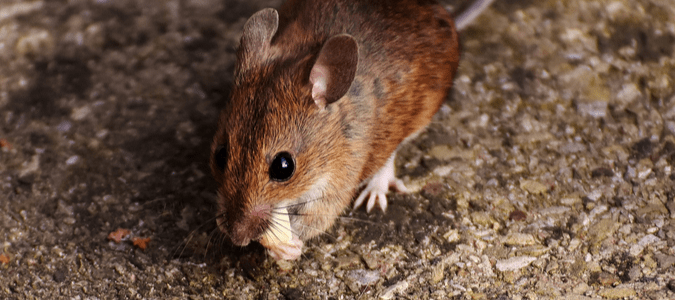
{"type": "Point", "coordinates": [284, 265]}
{"type": "Point", "coordinates": [629, 93]}
{"type": "Point", "coordinates": [481, 218]}
{"type": "Point", "coordinates": [80, 113]}
{"type": "Point", "coordinates": [671, 207]}
{"type": "Point", "coordinates": [347, 261]}
{"type": "Point", "coordinates": [602, 229]}
{"type": "Point", "coordinates": [647, 240]}
{"type": "Point", "coordinates": [533, 187]}
{"type": "Point", "coordinates": [510, 277]}
{"type": "Point", "coordinates": [438, 272]}
{"type": "Point", "coordinates": [397, 288]}
{"type": "Point", "coordinates": [37, 42]}
{"type": "Point", "coordinates": [452, 235]}
{"type": "Point", "coordinates": [30, 167]}
{"type": "Point", "coordinates": [634, 273]}
{"type": "Point", "coordinates": [600, 172]}
{"type": "Point", "coordinates": [72, 160]}
{"type": "Point", "coordinates": [581, 288]}
{"type": "Point", "coordinates": [514, 263]}
{"type": "Point", "coordinates": [570, 200]}
{"type": "Point", "coordinates": [441, 152]}
{"type": "Point", "coordinates": [554, 210]}
{"type": "Point", "coordinates": [594, 195]}
{"type": "Point", "coordinates": [517, 215]}
{"type": "Point", "coordinates": [520, 239]}
{"type": "Point", "coordinates": [357, 279]}
{"type": "Point", "coordinates": [617, 293]}
{"type": "Point", "coordinates": [595, 109]}
{"type": "Point", "coordinates": [372, 259]}
{"type": "Point", "coordinates": [574, 243]}
{"type": "Point", "coordinates": [536, 250]}
{"type": "Point", "coordinates": [605, 279]}
{"type": "Point", "coordinates": [570, 148]}
{"type": "Point", "coordinates": [665, 261]}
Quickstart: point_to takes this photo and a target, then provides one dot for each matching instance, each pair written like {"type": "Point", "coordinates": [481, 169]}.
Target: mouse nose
{"type": "Point", "coordinates": [251, 227]}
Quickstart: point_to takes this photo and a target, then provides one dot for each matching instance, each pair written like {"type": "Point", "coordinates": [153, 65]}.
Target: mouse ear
{"type": "Point", "coordinates": [334, 69]}
{"type": "Point", "coordinates": [257, 36]}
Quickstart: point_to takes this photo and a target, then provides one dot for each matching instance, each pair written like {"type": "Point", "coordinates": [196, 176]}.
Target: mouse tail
{"type": "Point", "coordinates": [471, 13]}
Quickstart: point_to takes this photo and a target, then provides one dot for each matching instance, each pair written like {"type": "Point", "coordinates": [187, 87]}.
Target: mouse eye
{"type": "Point", "coordinates": [220, 157]}
{"type": "Point", "coordinates": [282, 167]}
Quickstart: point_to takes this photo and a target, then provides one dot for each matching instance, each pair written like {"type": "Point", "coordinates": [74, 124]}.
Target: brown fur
{"type": "Point", "coordinates": [407, 57]}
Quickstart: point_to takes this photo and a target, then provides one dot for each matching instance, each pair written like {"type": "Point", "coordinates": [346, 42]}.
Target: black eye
{"type": "Point", "coordinates": [282, 167]}
{"type": "Point", "coordinates": [220, 157]}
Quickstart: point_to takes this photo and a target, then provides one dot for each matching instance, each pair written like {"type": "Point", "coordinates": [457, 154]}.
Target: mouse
{"type": "Point", "coordinates": [324, 93]}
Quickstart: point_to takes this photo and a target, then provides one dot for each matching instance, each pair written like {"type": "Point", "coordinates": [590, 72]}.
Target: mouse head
{"type": "Point", "coordinates": [273, 149]}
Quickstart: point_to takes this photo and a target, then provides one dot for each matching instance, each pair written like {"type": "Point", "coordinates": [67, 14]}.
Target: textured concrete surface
{"type": "Point", "coordinates": [548, 174]}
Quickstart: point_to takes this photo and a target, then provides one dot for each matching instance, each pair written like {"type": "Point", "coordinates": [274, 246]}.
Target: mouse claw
{"type": "Point", "coordinates": [378, 187]}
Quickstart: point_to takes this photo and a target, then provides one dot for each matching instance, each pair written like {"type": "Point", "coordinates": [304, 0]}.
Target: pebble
{"type": "Point", "coordinates": [617, 293]}
{"type": "Point", "coordinates": [602, 229]}
{"type": "Point", "coordinates": [554, 210]}
{"type": "Point", "coordinates": [514, 263]}
{"type": "Point", "coordinates": [520, 239]}
{"type": "Point", "coordinates": [356, 279]}
{"type": "Point", "coordinates": [347, 261]}
{"type": "Point", "coordinates": [397, 288]}
{"type": "Point", "coordinates": [533, 187]}
{"type": "Point", "coordinates": [665, 261]}
{"type": "Point", "coordinates": [438, 272]}
{"type": "Point", "coordinates": [636, 249]}
{"type": "Point", "coordinates": [20, 8]}
{"type": "Point", "coordinates": [607, 279]}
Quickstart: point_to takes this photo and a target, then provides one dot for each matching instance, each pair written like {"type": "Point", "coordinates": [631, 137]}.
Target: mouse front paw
{"type": "Point", "coordinates": [289, 250]}
{"type": "Point", "coordinates": [379, 185]}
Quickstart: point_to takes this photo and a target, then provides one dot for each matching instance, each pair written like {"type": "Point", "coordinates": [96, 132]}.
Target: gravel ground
{"type": "Point", "coordinates": [548, 173]}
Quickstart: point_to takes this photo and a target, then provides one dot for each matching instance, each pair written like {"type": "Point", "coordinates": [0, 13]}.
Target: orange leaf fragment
{"type": "Point", "coordinates": [119, 235]}
{"type": "Point", "coordinates": [141, 242]}
{"type": "Point", "coordinates": [4, 259]}
{"type": "Point", "coordinates": [5, 144]}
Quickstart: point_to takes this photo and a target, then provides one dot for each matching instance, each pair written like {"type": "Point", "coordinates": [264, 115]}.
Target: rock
{"type": "Point", "coordinates": [438, 272]}
{"type": "Point", "coordinates": [665, 261]}
{"type": "Point", "coordinates": [482, 218]}
{"type": "Point", "coordinates": [520, 239]}
{"type": "Point", "coordinates": [602, 229]}
{"type": "Point", "coordinates": [517, 215]}
{"type": "Point", "coordinates": [554, 210]}
{"type": "Point", "coordinates": [357, 279]}
{"type": "Point", "coordinates": [605, 279]}
{"type": "Point", "coordinates": [533, 187]}
{"type": "Point", "coordinates": [581, 288]}
{"type": "Point", "coordinates": [645, 241]}
{"type": "Point", "coordinates": [569, 148]}
{"type": "Point", "coordinates": [452, 235]}
{"type": "Point", "coordinates": [373, 259]}
{"type": "Point", "coordinates": [671, 207]}
{"type": "Point", "coordinates": [617, 293]}
{"type": "Point", "coordinates": [347, 261]}
{"type": "Point", "coordinates": [394, 289]}
{"type": "Point", "coordinates": [514, 263]}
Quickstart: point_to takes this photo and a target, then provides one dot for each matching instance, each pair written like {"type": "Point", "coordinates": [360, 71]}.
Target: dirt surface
{"type": "Point", "coordinates": [547, 174]}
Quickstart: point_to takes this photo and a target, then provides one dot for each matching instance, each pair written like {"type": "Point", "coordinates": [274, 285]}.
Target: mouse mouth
{"type": "Point", "coordinates": [279, 230]}
{"type": "Point", "coordinates": [250, 227]}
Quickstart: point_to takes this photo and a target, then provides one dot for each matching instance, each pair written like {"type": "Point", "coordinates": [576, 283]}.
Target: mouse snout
{"type": "Point", "coordinates": [251, 226]}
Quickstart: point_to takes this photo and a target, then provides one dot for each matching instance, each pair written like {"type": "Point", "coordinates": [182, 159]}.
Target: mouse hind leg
{"type": "Point", "coordinates": [385, 178]}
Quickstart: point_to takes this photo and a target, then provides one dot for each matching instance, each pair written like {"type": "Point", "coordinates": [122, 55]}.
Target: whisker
{"type": "Point", "coordinates": [193, 233]}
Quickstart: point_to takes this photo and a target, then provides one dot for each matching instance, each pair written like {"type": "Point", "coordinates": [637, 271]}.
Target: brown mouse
{"type": "Point", "coordinates": [324, 93]}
